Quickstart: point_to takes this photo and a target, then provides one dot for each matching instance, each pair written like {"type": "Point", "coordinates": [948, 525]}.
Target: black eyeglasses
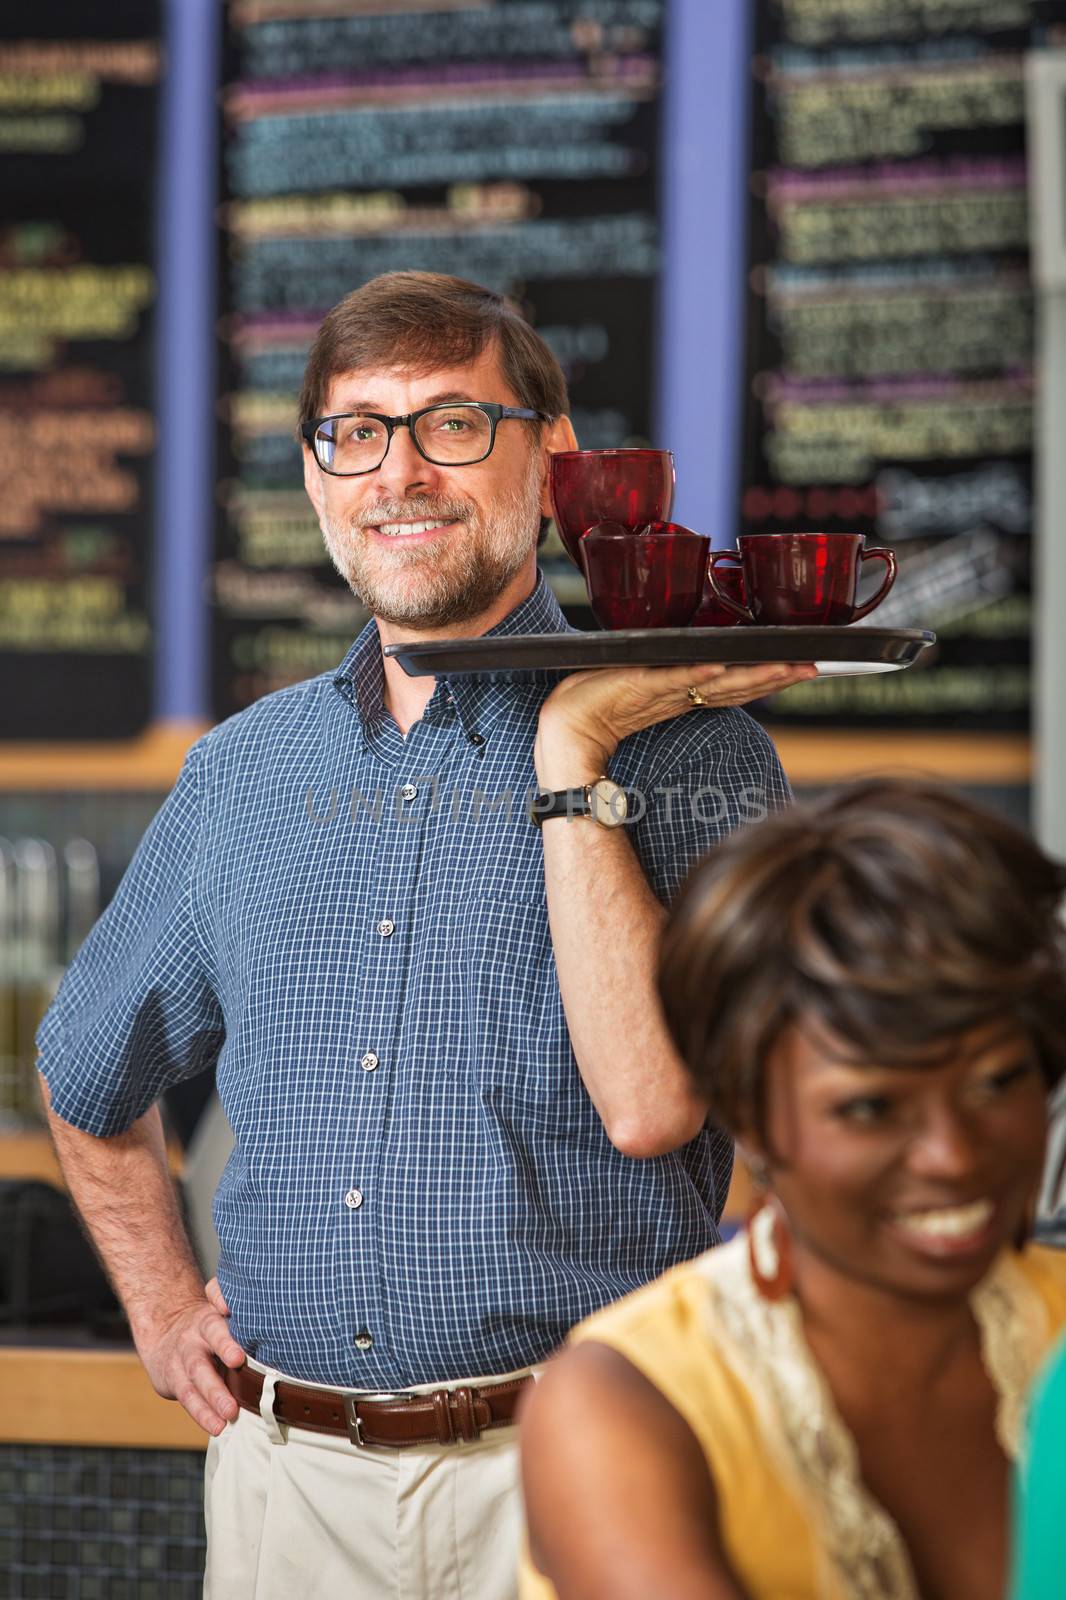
{"type": "Point", "coordinates": [452, 435]}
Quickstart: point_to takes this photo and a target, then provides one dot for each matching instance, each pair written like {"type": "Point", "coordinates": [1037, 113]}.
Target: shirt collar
{"type": "Point", "coordinates": [539, 612]}
{"type": "Point", "coordinates": [477, 700]}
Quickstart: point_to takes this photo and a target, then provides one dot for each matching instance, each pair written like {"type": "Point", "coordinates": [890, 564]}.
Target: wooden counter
{"type": "Point", "coordinates": [31, 1155]}
{"type": "Point", "coordinates": [809, 756]}
{"type": "Point", "coordinates": [88, 1397]}
{"type": "Point", "coordinates": [819, 756]}
{"type": "Point", "coordinates": [81, 1397]}
{"type": "Point", "coordinates": [150, 763]}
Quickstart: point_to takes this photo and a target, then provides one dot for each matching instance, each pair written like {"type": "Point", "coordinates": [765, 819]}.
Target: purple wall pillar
{"type": "Point", "coordinates": [186, 362]}
{"type": "Point", "coordinates": [701, 324]}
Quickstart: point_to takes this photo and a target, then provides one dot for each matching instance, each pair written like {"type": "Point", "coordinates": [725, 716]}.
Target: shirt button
{"type": "Point", "coordinates": [385, 927]}
{"type": "Point", "coordinates": [353, 1199]}
{"type": "Point", "coordinates": [369, 1062]}
{"type": "Point", "coordinates": [363, 1341]}
{"type": "Point", "coordinates": [408, 792]}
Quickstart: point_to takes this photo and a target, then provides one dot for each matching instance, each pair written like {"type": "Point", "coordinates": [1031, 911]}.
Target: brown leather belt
{"type": "Point", "coordinates": [393, 1421]}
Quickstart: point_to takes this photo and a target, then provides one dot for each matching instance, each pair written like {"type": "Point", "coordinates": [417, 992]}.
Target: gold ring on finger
{"type": "Point", "coordinates": [695, 698]}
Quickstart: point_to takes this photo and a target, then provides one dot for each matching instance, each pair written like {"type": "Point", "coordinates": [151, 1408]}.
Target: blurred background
{"type": "Point", "coordinates": [815, 247]}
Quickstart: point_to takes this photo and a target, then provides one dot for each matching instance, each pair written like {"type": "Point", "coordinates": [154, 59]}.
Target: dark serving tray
{"type": "Point", "coordinates": [837, 651]}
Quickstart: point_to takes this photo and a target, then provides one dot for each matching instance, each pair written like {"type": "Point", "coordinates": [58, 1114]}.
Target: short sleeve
{"type": "Point", "coordinates": [724, 775]}
{"type": "Point", "coordinates": [137, 1011]}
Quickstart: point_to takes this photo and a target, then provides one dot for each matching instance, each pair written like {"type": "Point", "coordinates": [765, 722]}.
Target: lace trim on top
{"type": "Point", "coordinates": [1015, 1329]}
{"type": "Point", "coordinates": [765, 1343]}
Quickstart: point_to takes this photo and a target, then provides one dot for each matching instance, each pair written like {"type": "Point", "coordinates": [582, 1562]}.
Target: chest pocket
{"type": "Point", "coordinates": [512, 1012]}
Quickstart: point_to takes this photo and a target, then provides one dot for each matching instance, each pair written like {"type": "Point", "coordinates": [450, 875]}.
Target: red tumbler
{"type": "Point", "coordinates": [630, 487]}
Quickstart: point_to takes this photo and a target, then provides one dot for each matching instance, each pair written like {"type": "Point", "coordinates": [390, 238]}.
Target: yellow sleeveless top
{"type": "Point", "coordinates": [739, 1371]}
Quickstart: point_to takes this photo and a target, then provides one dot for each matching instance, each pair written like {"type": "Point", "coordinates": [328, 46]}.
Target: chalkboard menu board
{"type": "Point", "coordinates": [513, 143]}
{"type": "Point", "coordinates": [79, 93]}
{"type": "Point", "coordinates": [889, 382]}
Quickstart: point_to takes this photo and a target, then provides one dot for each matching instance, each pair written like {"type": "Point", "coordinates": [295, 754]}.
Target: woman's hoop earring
{"type": "Point", "coordinates": [770, 1250]}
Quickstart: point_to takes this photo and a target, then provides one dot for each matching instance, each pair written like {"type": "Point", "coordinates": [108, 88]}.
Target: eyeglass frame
{"type": "Point", "coordinates": [496, 414]}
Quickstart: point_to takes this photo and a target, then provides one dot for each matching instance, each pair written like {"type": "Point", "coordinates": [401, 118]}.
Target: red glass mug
{"type": "Point", "coordinates": [630, 487]}
{"type": "Point", "coordinates": [653, 580]}
{"type": "Point", "coordinates": [797, 580]}
{"type": "Point", "coordinates": [711, 613]}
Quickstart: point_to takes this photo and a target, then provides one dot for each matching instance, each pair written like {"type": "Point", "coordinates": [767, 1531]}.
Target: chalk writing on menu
{"type": "Point", "coordinates": [78, 106]}
{"type": "Point", "coordinates": [513, 143]}
{"type": "Point", "coordinates": [889, 383]}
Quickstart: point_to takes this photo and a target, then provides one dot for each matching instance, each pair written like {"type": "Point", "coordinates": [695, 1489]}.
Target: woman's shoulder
{"type": "Point", "coordinates": [669, 1331]}
{"type": "Point", "coordinates": [673, 1304]}
{"type": "Point", "coordinates": [1045, 1271]}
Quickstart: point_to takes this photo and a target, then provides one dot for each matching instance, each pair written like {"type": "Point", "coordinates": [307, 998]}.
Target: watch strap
{"type": "Point", "coordinates": [545, 803]}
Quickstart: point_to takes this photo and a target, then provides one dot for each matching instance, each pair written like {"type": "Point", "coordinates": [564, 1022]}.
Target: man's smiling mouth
{"type": "Point", "coordinates": [401, 530]}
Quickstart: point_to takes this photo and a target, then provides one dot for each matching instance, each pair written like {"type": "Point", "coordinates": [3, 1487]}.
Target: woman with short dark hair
{"type": "Point", "coordinates": [870, 991]}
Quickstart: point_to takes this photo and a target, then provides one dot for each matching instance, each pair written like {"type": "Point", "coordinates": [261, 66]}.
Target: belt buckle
{"type": "Point", "coordinates": [351, 1416]}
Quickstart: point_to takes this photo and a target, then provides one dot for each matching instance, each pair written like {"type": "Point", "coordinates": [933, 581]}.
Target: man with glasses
{"type": "Point", "coordinates": [459, 1124]}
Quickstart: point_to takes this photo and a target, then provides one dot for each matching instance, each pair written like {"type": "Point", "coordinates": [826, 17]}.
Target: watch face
{"type": "Point", "coordinates": [608, 803]}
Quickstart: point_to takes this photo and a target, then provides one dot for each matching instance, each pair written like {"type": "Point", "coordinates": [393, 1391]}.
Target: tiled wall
{"type": "Point", "coordinates": [80, 1524]}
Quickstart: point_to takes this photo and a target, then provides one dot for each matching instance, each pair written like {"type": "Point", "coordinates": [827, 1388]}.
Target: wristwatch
{"type": "Point", "coordinates": [603, 800]}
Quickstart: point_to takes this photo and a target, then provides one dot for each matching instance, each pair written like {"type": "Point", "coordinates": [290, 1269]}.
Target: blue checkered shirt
{"type": "Point", "coordinates": [346, 926]}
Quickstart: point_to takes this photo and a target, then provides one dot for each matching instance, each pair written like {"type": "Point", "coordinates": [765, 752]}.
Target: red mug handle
{"type": "Point", "coordinates": [717, 556]}
{"type": "Point", "coordinates": [889, 559]}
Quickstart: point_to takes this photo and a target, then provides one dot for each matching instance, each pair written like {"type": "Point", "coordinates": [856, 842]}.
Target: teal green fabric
{"type": "Point", "coordinates": [1040, 1492]}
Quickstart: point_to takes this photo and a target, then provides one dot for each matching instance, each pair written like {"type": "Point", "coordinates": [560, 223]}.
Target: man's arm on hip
{"type": "Point", "coordinates": [124, 1194]}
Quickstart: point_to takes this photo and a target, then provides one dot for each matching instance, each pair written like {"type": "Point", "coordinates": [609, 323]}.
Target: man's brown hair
{"type": "Point", "coordinates": [427, 320]}
{"type": "Point", "coordinates": [896, 913]}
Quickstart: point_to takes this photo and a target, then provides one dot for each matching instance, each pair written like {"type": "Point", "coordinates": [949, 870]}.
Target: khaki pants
{"type": "Point", "coordinates": [292, 1514]}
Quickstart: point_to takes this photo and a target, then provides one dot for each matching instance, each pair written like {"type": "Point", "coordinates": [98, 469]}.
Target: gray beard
{"type": "Point", "coordinates": [454, 585]}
